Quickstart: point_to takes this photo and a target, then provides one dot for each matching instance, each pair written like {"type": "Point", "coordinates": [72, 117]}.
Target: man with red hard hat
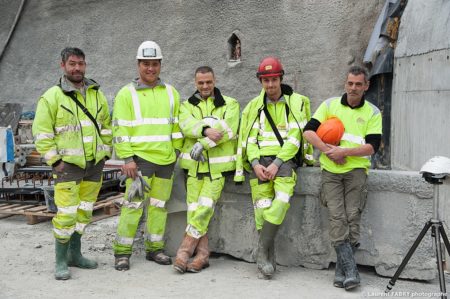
{"type": "Point", "coordinates": [269, 139]}
{"type": "Point", "coordinates": [345, 168]}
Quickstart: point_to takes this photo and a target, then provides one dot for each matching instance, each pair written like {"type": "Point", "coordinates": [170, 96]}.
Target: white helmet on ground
{"type": "Point", "coordinates": [149, 50]}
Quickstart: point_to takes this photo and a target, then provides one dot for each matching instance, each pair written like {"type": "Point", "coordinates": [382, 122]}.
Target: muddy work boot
{"type": "Point", "coordinates": [158, 257]}
{"type": "Point", "coordinates": [345, 254]}
{"type": "Point", "coordinates": [61, 268]}
{"type": "Point", "coordinates": [272, 258]}
{"type": "Point", "coordinates": [201, 260]}
{"type": "Point", "coordinates": [185, 251]}
{"type": "Point", "coordinates": [339, 275]}
{"type": "Point", "coordinates": [263, 257]}
{"type": "Point", "coordinates": [74, 257]}
{"type": "Point", "coordinates": [122, 262]}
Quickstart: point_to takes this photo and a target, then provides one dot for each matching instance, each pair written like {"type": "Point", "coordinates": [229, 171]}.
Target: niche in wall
{"type": "Point", "coordinates": [234, 48]}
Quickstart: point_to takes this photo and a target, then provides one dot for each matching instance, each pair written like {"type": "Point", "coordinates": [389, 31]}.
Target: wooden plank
{"type": "Point", "coordinates": [38, 213]}
{"type": "Point", "coordinates": [23, 207]}
{"type": "Point", "coordinates": [8, 207]}
{"type": "Point", "coordinates": [103, 216]}
{"type": "Point", "coordinates": [37, 209]}
{"type": "Point", "coordinates": [101, 205]}
{"type": "Point", "coordinates": [33, 219]}
{"type": "Point", "coordinates": [111, 210]}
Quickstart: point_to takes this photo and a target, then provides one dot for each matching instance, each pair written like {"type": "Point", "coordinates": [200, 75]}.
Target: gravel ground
{"type": "Point", "coordinates": [27, 253]}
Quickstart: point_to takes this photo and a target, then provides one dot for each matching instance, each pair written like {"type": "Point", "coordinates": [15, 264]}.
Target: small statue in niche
{"type": "Point", "coordinates": [237, 50]}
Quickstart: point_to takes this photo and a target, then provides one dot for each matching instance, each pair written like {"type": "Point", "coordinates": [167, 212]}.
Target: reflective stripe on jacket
{"type": "Point", "coordinates": [145, 123]}
{"type": "Point", "coordinates": [221, 155]}
{"type": "Point", "coordinates": [298, 108]}
{"type": "Point", "coordinates": [358, 123]}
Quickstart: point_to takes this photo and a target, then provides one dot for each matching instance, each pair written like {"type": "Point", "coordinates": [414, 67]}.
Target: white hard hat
{"type": "Point", "coordinates": [149, 50]}
{"type": "Point", "coordinates": [438, 166]}
{"type": "Point", "coordinates": [211, 121]}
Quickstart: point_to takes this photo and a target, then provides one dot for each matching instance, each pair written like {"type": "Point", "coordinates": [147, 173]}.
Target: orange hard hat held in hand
{"type": "Point", "coordinates": [331, 131]}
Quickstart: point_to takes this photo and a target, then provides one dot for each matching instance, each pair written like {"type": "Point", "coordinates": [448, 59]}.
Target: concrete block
{"type": "Point", "coordinates": [398, 206]}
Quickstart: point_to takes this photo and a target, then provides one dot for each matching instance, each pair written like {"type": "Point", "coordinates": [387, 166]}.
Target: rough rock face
{"type": "Point", "coordinates": [398, 206]}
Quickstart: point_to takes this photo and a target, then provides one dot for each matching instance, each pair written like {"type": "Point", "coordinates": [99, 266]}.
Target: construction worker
{"type": "Point", "coordinates": [146, 135]}
{"type": "Point", "coordinates": [72, 130]}
{"type": "Point", "coordinates": [274, 170]}
{"type": "Point", "coordinates": [345, 168]}
{"type": "Point", "coordinates": [209, 122]}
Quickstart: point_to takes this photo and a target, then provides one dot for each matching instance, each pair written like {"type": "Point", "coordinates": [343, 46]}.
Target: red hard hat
{"type": "Point", "coordinates": [270, 67]}
{"type": "Point", "coordinates": [331, 130]}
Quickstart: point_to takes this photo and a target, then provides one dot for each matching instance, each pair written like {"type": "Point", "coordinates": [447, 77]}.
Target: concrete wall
{"type": "Point", "coordinates": [421, 89]}
{"type": "Point", "coordinates": [398, 206]}
{"type": "Point", "coordinates": [316, 41]}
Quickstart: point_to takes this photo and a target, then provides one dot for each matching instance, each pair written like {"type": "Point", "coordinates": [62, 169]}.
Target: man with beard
{"type": "Point", "coordinates": [270, 137]}
{"type": "Point", "coordinates": [345, 168]}
{"type": "Point", "coordinates": [72, 129]}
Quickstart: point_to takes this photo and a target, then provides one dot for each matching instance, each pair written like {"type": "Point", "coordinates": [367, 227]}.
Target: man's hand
{"type": "Point", "coordinates": [336, 154]}
{"type": "Point", "coordinates": [260, 172]}
{"type": "Point", "coordinates": [196, 152]}
{"type": "Point", "coordinates": [59, 167]}
{"type": "Point", "coordinates": [213, 134]}
{"type": "Point", "coordinates": [271, 171]}
{"type": "Point", "coordinates": [130, 170]}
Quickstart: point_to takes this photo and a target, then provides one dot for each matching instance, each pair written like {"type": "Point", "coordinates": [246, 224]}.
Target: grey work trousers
{"type": "Point", "coordinates": [345, 195]}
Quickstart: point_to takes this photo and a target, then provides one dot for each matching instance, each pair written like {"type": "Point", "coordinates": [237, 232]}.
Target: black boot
{"type": "Point", "coordinates": [266, 239]}
{"type": "Point", "coordinates": [339, 275]}
{"type": "Point", "coordinates": [344, 253]}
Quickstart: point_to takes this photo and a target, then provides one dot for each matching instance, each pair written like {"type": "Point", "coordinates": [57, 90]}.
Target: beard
{"type": "Point", "coordinates": [75, 78]}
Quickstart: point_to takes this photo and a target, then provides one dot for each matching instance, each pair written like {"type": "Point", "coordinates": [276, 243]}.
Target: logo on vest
{"type": "Point", "coordinates": [360, 121]}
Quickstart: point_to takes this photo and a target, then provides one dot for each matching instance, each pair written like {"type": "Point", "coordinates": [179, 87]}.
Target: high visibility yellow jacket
{"type": "Point", "coordinates": [256, 137]}
{"type": "Point", "coordinates": [63, 131]}
{"type": "Point", "coordinates": [145, 123]}
{"type": "Point", "coordinates": [218, 112]}
{"type": "Point", "coordinates": [358, 123]}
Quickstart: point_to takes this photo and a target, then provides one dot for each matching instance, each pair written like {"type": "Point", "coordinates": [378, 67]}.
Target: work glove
{"type": "Point", "coordinates": [138, 187]}
{"type": "Point", "coordinates": [196, 152]}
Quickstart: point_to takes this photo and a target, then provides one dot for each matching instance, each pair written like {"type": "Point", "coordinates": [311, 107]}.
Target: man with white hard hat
{"type": "Point", "coordinates": [147, 137]}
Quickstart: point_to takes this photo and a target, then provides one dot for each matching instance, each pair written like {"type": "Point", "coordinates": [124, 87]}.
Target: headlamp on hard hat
{"type": "Point", "coordinates": [149, 52]}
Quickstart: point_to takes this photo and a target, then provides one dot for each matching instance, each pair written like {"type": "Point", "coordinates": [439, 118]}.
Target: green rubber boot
{"type": "Point", "coordinates": [74, 257]}
{"type": "Point", "coordinates": [61, 269]}
{"type": "Point", "coordinates": [263, 257]}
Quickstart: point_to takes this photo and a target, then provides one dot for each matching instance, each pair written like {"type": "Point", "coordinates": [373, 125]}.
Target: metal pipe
{"type": "Point", "coordinates": [13, 27]}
